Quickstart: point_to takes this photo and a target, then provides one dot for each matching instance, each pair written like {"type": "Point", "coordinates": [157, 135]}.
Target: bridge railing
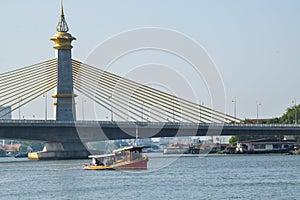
{"type": "Point", "coordinates": [139, 123]}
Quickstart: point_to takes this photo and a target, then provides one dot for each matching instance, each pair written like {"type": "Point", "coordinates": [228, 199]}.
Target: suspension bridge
{"type": "Point", "coordinates": [141, 110]}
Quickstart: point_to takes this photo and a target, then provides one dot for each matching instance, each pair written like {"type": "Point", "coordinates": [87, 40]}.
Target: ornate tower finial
{"type": "Point", "coordinates": [62, 39]}
{"type": "Point", "coordinates": [62, 24]}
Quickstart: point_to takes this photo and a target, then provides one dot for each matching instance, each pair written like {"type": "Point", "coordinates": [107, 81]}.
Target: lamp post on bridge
{"type": "Point", "coordinates": [257, 105]}
{"type": "Point", "coordinates": [142, 111]}
{"type": "Point", "coordinates": [173, 111]}
{"type": "Point", "coordinates": [234, 101]}
{"type": "Point", "coordinates": [83, 101]}
{"type": "Point", "coordinates": [20, 108]}
{"type": "Point", "coordinates": [200, 105]}
{"type": "Point", "coordinates": [295, 105]}
{"type": "Point", "coordinates": [111, 108]}
{"type": "Point", "coordinates": [46, 106]}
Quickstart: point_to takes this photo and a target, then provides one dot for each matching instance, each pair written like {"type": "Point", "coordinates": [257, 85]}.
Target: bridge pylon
{"type": "Point", "coordinates": [64, 98]}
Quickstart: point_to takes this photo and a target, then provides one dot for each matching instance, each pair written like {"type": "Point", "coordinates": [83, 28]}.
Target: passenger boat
{"type": "Point", "coordinates": [121, 159]}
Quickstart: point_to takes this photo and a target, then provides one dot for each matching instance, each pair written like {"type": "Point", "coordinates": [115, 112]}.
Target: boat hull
{"type": "Point", "coordinates": [91, 167]}
{"type": "Point", "coordinates": [126, 165]}
{"type": "Point", "coordinates": [138, 164]}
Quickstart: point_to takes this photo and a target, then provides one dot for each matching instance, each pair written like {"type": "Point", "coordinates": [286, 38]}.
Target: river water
{"type": "Point", "coordinates": [211, 177]}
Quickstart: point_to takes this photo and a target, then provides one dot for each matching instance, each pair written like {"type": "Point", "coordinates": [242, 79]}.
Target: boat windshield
{"type": "Point", "coordinates": [103, 160]}
{"type": "Point", "coordinates": [128, 154]}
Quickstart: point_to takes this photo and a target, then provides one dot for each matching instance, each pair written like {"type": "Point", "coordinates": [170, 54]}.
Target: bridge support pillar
{"type": "Point", "coordinates": [60, 151]}
{"type": "Point", "coordinates": [64, 98]}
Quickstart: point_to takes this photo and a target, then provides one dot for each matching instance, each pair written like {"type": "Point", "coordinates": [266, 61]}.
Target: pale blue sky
{"type": "Point", "coordinates": [254, 43]}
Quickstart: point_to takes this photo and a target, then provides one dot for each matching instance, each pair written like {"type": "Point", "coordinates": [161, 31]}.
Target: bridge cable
{"type": "Point", "coordinates": [35, 95]}
{"type": "Point", "coordinates": [212, 112]}
{"type": "Point", "coordinates": [25, 79]}
{"type": "Point", "coordinates": [171, 111]}
{"type": "Point", "coordinates": [119, 95]}
{"type": "Point", "coordinates": [25, 85]}
{"type": "Point", "coordinates": [18, 93]}
{"type": "Point", "coordinates": [170, 103]}
{"type": "Point", "coordinates": [85, 89]}
{"type": "Point", "coordinates": [25, 69]}
{"type": "Point", "coordinates": [11, 76]}
{"type": "Point", "coordinates": [109, 93]}
{"type": "Point", "coordinates": [175, 108]}
{"type": "Point", "coordinates": [92, 81]}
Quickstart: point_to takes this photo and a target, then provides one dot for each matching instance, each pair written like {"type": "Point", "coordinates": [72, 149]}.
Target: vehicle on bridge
{"type": "Point", "coordinates": [121, 159]}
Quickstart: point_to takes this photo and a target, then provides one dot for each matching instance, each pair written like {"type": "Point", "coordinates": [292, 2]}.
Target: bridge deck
{"type": "Point", "coordinates": [66, 131]}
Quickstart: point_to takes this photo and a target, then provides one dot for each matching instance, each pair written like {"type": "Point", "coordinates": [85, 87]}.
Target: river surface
{"type": "Point", "coordinates": [211, 177]}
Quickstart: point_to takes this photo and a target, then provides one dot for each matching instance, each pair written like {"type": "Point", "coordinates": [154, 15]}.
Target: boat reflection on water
{"type": "Point", "coordinates": [121, 159]}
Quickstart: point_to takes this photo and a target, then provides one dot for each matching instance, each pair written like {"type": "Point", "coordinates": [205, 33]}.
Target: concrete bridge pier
{"type": "Point", "coordinates": [60, 151]}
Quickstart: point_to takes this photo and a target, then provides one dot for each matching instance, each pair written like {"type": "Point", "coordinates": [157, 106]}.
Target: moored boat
{"type": "Point", "coordinates": [22, 155]}
{"type": "Point", "coordinates": [121, 159]}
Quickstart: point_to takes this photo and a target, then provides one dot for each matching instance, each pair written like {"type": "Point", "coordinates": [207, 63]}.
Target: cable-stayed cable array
{"type": "Point", "coordinates": [127, 99]}
{"type": "Point", "coordinates": [130, 100]}
{"type": "Point", "coordinates": [21, 86]}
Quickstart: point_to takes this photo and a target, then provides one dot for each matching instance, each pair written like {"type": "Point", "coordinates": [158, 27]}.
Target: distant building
{"type": "Point", "coordinates": [3, 111]}
{"type": "Point", "coordinates": [267, 146]}
{"type": "Point", "coordinates": [12, 149]}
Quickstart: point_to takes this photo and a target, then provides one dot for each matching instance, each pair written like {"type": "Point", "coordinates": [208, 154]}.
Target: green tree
{"type": "Point", "coordinates": [297, 138]}
{"type": "Point", "coordinates": [36, 146]}
{"type": "Point", "coordinates": [232, 140]}
{"type": "Point", "coordinates": [23, 148]}
{"type": "Point", "coordinates": [2, 152]}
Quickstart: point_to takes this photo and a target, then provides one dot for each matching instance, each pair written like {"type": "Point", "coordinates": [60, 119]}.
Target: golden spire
{"type": "Point", "coordinates": [62, 24]}
{"type": "Point", "coordinates": [62, 40]}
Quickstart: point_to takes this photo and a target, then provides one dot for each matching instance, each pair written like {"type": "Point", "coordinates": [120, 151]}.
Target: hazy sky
{"type": "Point", "coordinates": [255, 44]}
